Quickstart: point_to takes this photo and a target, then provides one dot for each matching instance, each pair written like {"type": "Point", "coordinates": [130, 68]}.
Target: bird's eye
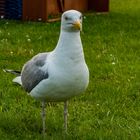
{"type": "Point", "coordinates": [81, 17]}
{"type": "Point", "coordinates": [66, 18]}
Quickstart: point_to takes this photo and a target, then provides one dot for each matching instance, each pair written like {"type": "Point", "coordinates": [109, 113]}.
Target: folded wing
{"type": "Point", "coordinates": [32, 73]}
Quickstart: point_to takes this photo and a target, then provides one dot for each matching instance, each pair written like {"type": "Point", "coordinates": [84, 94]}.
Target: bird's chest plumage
{"type": "Point", "coordinates": [72, 74]}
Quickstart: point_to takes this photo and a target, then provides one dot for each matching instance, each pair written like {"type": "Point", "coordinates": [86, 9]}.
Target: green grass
{"type": "Point", "coordinates": [109, 109]}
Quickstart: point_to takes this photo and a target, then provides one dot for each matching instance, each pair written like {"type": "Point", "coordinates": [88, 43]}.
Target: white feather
{"type": "Point", "coordinates": [17, 80]}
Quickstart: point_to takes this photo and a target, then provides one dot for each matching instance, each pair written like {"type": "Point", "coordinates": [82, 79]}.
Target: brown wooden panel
{"type": "Point", "coordinates": [81, 5]}
{"type": "Point", "coordinates": [53, 7]}
{"type": "Point", "coordinates": [98, 5]}
{"type": "Point", "coordinates": [39, 9]}
{"type": "Point", "coordinates": [33, 9]}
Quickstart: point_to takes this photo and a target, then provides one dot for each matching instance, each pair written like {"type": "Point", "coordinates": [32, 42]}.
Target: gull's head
{"type": "Point", "coordinates": [71, 21]}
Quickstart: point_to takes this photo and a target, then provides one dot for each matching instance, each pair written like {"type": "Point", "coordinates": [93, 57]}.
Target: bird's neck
{"type": "Point", "coordinates": [69, 44]}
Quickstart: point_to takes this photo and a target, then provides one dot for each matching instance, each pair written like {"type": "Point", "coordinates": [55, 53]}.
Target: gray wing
{"type": "Point", "coordinates": [32, 74]}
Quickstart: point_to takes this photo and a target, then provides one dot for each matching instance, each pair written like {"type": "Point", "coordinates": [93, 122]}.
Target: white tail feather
{"type": "Point", "coordinates": [17, 80]}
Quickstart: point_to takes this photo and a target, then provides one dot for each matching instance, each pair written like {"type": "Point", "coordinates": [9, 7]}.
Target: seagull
{"type": "Point", "coordinates": [61, 74]}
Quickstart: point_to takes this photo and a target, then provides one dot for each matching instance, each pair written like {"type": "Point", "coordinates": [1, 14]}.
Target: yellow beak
{"type": "Point", "coordinates": [77, 25]}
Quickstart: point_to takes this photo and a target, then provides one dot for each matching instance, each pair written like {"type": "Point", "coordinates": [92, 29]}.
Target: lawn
{"type": "Point", "coordinates": [108, 110]}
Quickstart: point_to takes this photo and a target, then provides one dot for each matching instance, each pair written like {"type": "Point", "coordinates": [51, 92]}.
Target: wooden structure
{"type": "Point", "coordinates": [100, 6]}
{"type": "Point", "coordinates": [80, 5]}
{"type": "Point", "coordinates": [49, 10]}
{"type": "Point", "coordinates": [41, 10]}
